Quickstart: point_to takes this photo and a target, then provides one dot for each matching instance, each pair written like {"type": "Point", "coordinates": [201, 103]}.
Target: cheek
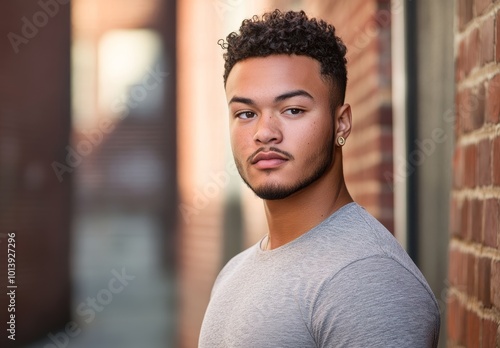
{"type": "Point", "coordinates": [239, 140]}
{"type": "Point", "coordinates": [234, 146]}
{"type": "Point", "coordinates": [310, 136]}
{"type": "Point", "coordinates": [234, 136]}
{"type": "Point", "coordinates": [325, 130]}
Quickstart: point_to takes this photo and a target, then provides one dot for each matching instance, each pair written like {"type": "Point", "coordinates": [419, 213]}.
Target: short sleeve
{"type": "Point", "coordinates": [375, 302]}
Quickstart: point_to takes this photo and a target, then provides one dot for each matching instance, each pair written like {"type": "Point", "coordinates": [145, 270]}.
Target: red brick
{"type": "Point", "coordinates": [464, 12]}
{"type": "Point", "coordinates": [489, 333]}
{"type": "Point", "coordinates": [456, 321]}
{"type": "Point", "coordinates": [471, 274]}
{"type": "Point", "coordinates": [487, 37]}
{"type": "Point", "coordinates": [384, 114]}
{"type": "Point", "coordinates": [483, 283]}
{"type": "Point", "coordinates": [386, 143]}
{"type": "Point", "coordinates": [462, 110]}
{"type": "Point", "coordinates": [465, 218]}
{"type": "Point", "coordinates": [491, 222]}
{"type": "Point", "coordinates": [472, 47]}
{"type": "Point", "coordinates": [461, 62]}
{"type": "Point", "coordinates": [462, 272]}
{"type": "Point", "coordinates": [470, 109]}
{"type": "Point", "coordinates": [473, 329]}
{"type": "Point", "coordinates": [451, 322]}
{"type": "Point", "coordinates": [477, 103]}
{"type": "Point", "coordinates": [470, 165]}
{"type": "Point", "coordinates": [484, 169]}
{"type": "Point", "coordinates": [476, 220]}
{"type": "Point", "coordinates": [481, 5]}
{"type": "Point", "coordinates": [493, 100]}
{"type": "Point", "coordinates": [496, 161]}
{"type": "Point", "coordinates": [454, 267]}
{"type": "Point", "coordinates": [458, 166]}
{"type": "Point", "coordinates": [495, 284]}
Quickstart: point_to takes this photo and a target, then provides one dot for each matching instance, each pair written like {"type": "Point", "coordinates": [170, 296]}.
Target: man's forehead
{"type": "Point", "coordinates": [273, 60]}
{"type": "Point", "coordinates": [271, 76]}
{"type": "Point", "coordinates": [273, 69]}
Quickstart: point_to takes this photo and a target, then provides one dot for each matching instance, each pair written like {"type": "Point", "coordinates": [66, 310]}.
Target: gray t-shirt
{"type": "Point", "coordinates": [345, 283]}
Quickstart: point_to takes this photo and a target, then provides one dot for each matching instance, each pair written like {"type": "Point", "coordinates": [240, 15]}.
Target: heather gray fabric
{"type": "Point", "coordinates": [345, 283]}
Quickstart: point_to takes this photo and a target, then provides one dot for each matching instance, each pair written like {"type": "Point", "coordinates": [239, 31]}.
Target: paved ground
{"type": "Point", "coordinates": [137, 310]}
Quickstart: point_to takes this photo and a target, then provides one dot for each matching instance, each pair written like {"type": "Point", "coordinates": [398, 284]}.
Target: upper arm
{"type": "Point", "coordinates": [375, 302]}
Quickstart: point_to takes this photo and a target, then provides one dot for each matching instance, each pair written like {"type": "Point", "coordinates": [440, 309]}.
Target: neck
{"type": "Point", "coordinates": [293, 216]}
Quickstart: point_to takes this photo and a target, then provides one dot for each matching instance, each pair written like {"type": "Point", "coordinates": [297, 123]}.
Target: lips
{"type": "Point", "coordinates": [268, 160]}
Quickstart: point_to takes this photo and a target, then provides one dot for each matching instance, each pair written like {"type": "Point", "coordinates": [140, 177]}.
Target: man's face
{"type": "Point", "coordinates": [282, 129]}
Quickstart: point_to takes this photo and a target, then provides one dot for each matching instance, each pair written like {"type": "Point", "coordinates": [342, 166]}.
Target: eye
{"type": "Point", "coordinates": [293, 111]}
{"type": "Point", "coordinates": [245, 115]}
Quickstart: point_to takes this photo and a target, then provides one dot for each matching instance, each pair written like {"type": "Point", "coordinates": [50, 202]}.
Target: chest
{"type": "Point", "coordinates": [253, 311]}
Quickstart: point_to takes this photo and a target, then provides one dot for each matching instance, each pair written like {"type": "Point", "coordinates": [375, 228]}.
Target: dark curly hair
{"type": "Point", "coordinates": [289, 33]}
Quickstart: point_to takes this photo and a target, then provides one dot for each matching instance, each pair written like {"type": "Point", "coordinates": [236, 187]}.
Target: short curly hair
{"type": "Point", "coordinates": [289, 33]}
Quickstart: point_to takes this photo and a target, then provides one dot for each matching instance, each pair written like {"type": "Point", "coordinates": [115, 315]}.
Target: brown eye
{"type": "Point", "coordinates": [294, 111]}
{"type": "Point", "coordinates": [245, 115]}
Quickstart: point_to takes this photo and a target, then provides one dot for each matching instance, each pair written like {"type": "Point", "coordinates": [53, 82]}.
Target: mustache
{"type": "Point", "coordinates": [273, 149]}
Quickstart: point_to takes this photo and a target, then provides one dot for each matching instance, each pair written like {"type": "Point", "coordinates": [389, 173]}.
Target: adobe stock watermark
{"type": "Point", "coordinates": [30, 27]}
{"type": "Point", "coordinates": [404, 167]}
{"type": "Point", "coordinates": [424, 149]}
{"type": "Point", "coordinates": [87, 309]}
{"type": "Point", "coordinates": [201, 199]}
{"type": "Point", "coordinates": [123, 104]}
{"type": "Point", "coordinates": [381, 20]}
{"type": "Point", "coordinates": [225, 6]}
{"type": "Point", "coordinates": [122, 107]}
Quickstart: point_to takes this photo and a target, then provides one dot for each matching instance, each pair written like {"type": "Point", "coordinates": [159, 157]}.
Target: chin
{"type": "Point", "coordinates": [272, 195]}
{"type": "Point", "coordinates": [274, 191]}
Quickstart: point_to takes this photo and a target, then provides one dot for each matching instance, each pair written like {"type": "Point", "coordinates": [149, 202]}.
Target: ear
{"type": "Point", "coordinates": [343, 121]}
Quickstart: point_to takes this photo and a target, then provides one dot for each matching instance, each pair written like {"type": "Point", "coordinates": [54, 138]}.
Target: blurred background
{"type": "Point", "coordinates": [117, 182]}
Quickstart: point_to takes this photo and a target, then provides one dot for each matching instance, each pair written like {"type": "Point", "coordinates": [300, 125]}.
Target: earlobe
{"type": "Point", "coordinates": [343, 122]}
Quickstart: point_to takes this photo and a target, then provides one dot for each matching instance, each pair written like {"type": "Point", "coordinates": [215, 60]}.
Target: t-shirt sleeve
{"type": "Point", "coordinates": [375, 302]}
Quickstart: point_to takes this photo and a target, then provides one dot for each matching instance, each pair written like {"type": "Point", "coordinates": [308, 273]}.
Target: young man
{"type": "Point", "coordinates": [327, 274]}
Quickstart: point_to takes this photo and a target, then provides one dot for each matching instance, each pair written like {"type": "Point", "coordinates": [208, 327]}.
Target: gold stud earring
{"type": "Point", "coordinates": [341, 141]}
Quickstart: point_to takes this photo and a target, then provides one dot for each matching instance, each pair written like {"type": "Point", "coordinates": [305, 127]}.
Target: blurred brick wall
{"type": "Point", "coordinates": [474, 273]}
{"type": "Point", "coordinates": [365, 28]}
{"type": "Point", "coordinates": [201, 126]}
{"type": "Point", "coordinates": [34, 129]}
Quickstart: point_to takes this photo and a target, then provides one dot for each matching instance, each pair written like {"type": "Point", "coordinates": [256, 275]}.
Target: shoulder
{"type": "Point", "coordinates": [351, 234]}
{"type": "Point", "coordinates": [352, 221]}
{"type": "Point", "coordinates": [355, 235]}
{"type": "Point", "coordinates": [376, 302]}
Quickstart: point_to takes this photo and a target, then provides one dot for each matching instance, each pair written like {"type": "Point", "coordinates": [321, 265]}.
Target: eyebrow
{"type": "Point", "coordinates": [291, 94]}
{"type": "Point", "coordinates": [281, 97]}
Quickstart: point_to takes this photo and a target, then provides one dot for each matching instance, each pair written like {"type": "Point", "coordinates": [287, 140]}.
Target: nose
{"type": "Point", "coordinates": [268, 130]}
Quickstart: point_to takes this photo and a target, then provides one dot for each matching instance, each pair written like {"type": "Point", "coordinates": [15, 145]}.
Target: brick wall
{"type": "Point", "coordinates": [201, 129]}
{"type": "Point", "coordinates": [474, 273]}
{"type": "Point", "coordinates": [365, 28]}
